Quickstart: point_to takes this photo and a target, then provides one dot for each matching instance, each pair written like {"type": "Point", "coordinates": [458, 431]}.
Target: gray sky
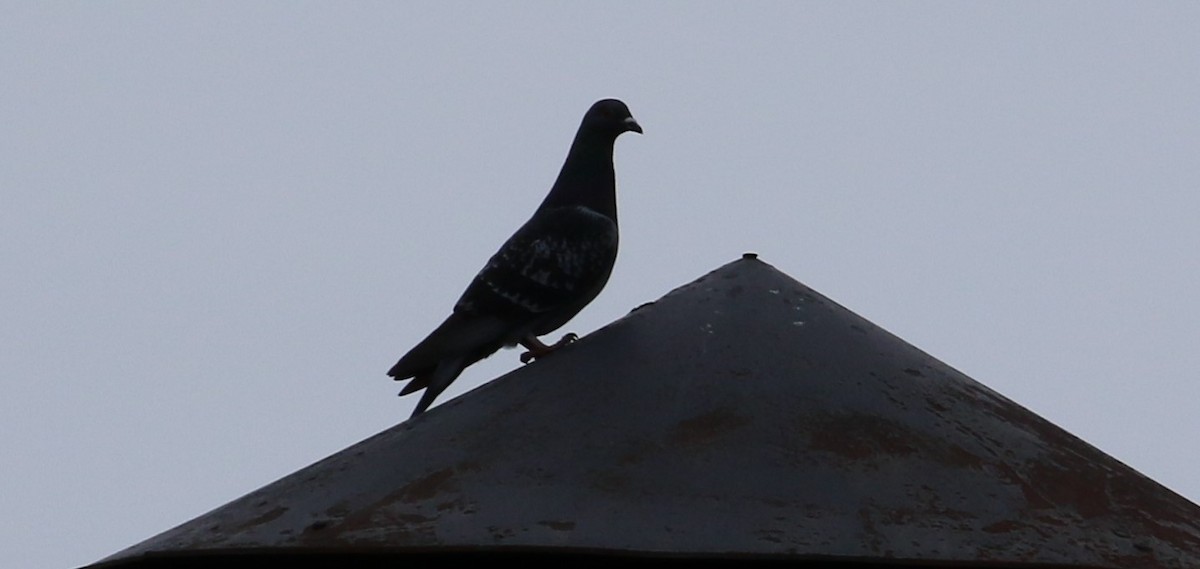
{"type": "Point", "coordinates": [221, 224]}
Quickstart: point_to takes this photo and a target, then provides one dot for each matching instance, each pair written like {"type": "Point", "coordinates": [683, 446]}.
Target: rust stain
{"type": "Point", "coordinates": [413, 518]}
{"type": "Point", "coordinates": [469, 466]}
{"type": "Point", "coordinates": [638, 450]}
{"type": "Point", "coordinates": [771, 535]}
{"type": "Point", "coordinates": [704, 428]}
{"type": "Point", "coordinates": [1004, 526]}
{"type": "Point", "coordinates": [387, 512]}
{"type": "Point", "coordinates": [857, 437]}
{"type": "Point", "coordinates": [428, 486]}
{"type": "Point", "coordinates": [610, 482]}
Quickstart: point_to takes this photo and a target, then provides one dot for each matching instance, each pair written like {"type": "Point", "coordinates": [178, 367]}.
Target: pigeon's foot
{"type": "Point", "coordinates": [537, 349]}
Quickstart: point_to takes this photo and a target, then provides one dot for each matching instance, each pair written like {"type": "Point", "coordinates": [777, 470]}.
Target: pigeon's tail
{"type": "Point", "coordinates": [472, 338]}
{"type": "Point", "coordinates": [438, 360]}
{"type": "Point", "coordinates": [434, 382]}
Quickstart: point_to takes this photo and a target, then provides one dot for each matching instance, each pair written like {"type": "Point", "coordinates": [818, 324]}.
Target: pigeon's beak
{"type": "Point", "coordinates": [631, 124]}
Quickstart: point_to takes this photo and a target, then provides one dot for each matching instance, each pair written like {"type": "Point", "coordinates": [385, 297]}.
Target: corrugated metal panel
{"type": "Point", "coordinates": [743, 414]}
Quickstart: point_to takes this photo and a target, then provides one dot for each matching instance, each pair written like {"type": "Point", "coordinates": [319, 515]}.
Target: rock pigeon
{"type": "Point", "coordinates": [552, 267]}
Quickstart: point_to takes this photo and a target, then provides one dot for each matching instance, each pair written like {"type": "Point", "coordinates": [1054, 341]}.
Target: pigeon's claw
{"type": "Point", "coordinates": [537, 349]}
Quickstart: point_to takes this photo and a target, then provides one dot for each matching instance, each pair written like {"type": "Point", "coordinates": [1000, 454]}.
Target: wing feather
{"type": "Point", "coordinates": [557, 257]}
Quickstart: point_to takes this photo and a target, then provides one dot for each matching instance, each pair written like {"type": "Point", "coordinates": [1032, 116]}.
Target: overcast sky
{"type": "Point", "coordinates": [221, 224]}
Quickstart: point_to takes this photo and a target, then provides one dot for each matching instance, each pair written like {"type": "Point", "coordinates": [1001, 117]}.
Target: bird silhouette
{"type": "Point", "coordinates": [543, 275]}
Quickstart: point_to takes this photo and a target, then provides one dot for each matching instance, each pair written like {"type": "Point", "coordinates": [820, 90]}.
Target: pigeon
{"type": "Point", "coordinates": [543, 275]}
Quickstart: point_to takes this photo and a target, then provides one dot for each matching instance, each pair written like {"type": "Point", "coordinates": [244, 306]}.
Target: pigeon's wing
{"type": "Point", "coordinates": [545, 272]}
{"type": "Point", "coordinates": [557, 260]}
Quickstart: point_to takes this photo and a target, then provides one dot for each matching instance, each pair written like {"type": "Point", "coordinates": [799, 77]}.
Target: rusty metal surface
{"type": "Point", "coordinates": [740, 414]}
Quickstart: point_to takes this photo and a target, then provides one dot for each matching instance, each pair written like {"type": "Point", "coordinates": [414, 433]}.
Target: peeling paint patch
{"type": "Point", "coordinates": [265, 517]}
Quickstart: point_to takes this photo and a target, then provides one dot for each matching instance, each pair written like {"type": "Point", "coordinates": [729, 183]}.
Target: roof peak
{"type": "Point", "coordinates": [742, 412]}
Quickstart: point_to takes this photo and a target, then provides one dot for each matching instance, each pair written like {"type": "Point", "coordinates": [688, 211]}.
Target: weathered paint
{"type": "Point", "coordinates": [741, 415]}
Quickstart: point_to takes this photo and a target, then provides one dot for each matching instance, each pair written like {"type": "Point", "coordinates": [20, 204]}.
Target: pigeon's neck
{"type": "Point", "coordinates": [587, 177]}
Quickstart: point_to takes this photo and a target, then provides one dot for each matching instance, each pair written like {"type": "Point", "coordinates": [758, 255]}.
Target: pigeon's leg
{"type": "Point", "coordinates": [537, 349]}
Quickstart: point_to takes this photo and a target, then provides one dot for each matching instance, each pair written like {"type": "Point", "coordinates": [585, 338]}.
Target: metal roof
{"type": "Point", "coordinates": [741, 416]}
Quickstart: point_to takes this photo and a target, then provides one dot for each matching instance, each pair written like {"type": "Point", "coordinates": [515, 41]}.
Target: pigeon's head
{"type": "Point", "coordinates": [611, 117]}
